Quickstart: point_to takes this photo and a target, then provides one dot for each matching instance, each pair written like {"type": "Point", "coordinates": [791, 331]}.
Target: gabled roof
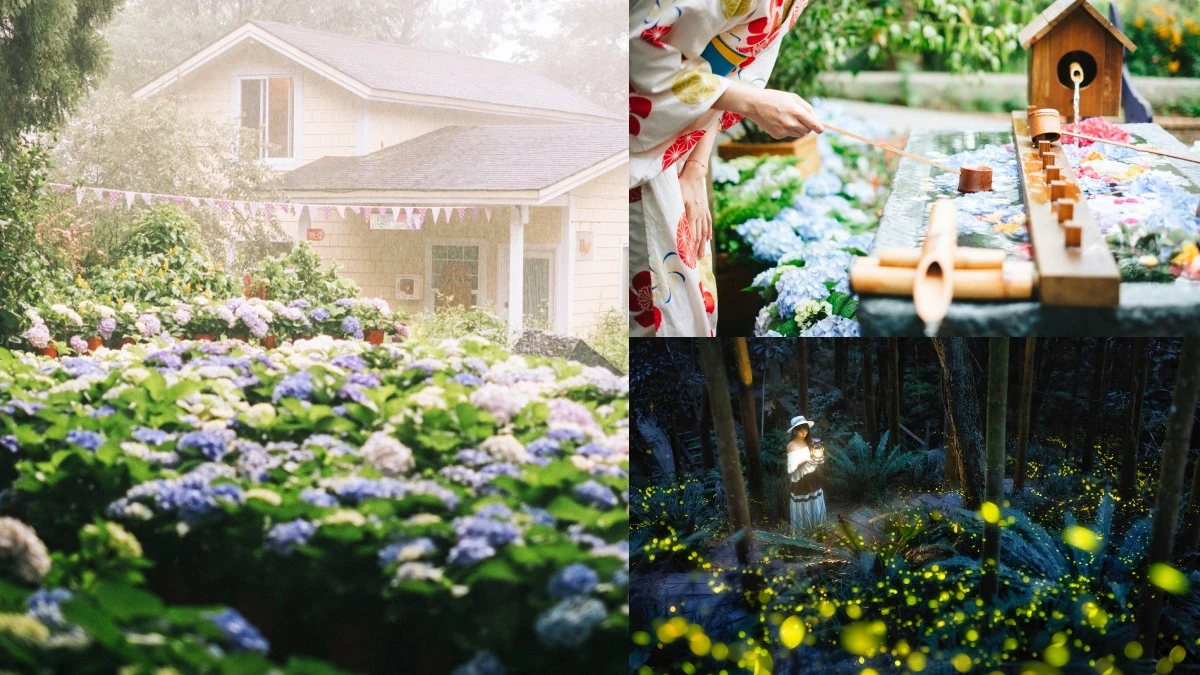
{"type": "Point", "coordinates": [389, 72]}
{"type": "Point", "coordinates": [532, 163]}
{"type": "Point", "coordinates": [1042, 23]}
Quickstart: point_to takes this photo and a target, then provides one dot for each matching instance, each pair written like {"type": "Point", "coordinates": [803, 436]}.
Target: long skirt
{"type": "Point", "coordinates": [671, 292]}
{"type": "Point", "coordinates": [808, 502]}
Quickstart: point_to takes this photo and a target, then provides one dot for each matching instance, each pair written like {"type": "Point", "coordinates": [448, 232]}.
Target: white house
{"type": "Point", "coordinates": [474, 168]}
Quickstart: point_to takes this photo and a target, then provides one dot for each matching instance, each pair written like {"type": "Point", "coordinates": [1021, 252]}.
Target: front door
{"type": "Point", "coordinates": [538, 285]}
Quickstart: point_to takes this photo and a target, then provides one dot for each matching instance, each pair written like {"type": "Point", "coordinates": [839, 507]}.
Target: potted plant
{"type": "Point", "coordinates": [375, 317]}
{"type": "Point", "coordinates": [755, 141]}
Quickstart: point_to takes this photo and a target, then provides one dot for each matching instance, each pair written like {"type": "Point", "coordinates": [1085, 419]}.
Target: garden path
{"type": "Point", "coordinates": [903, 119]}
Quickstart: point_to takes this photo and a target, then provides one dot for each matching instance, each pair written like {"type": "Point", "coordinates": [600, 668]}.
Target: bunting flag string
{"type": "Point", "coordinates": [391, 216]}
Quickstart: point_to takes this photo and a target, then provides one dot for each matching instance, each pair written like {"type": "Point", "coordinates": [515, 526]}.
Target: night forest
{"type": "Point", "coordinates": [986, 505]}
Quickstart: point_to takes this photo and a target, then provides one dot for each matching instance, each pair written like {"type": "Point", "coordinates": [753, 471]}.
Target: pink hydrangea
{"type": "Point", "coordinates": [78, 344]}
{"type": "Point", "coordinates": [38, 336]}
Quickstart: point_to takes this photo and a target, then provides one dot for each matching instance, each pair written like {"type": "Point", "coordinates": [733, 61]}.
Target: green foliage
{"type": "Point", "coordinates": [672, 521]}
{"type": "Point", "coordinates": [51, 55]}
{"type": "Point", "coordinates": [24, 263]}
{"type": "Point", "coordinates": [610, 338]}
{"type": "Point", "coordinates": [860, 474]}
{"type": "Point", "coordinates": [1167, 35]}
{"type": "Point", "coordinates": [302, 274]}
{"type": "Point", "coordinates": [454, 321]}
{"type": "Point", "coordinates": [161, 229]}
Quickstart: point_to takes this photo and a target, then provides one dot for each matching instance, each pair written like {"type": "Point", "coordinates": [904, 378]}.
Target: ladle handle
{"type": "Point", "coordinates": [885, 146]}
{"type": "Point", "coordinates": [1152, 151]}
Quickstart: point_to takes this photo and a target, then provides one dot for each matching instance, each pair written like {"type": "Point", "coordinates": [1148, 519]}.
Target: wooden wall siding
{"type": "Point", "coordinates": [602, 207]}
{"type": "Point", "coordinates": [1083, 33]}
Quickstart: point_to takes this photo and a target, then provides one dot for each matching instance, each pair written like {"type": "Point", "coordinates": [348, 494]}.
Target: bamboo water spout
{"type": "Point", "coordinates": [933, 286]}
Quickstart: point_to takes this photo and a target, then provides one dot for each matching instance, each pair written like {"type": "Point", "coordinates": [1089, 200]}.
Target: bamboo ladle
{"type": "Point", "coordinates": [970, 178]}
{"type": "Point", "coordinates": [1046, 124]}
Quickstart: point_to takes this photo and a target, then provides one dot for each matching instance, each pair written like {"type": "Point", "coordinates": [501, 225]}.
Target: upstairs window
{"type": "Point", "coordinates": [268, 110]}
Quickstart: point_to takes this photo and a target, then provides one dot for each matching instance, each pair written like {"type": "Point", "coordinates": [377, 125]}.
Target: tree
{"type": "Point", "coordinates": [963, 409]}
{"type": "Point", "coordinates": [713, 364]}
{"type": "Point", "coordinates": [1100, 363]}
{"type": "Point", "coordinates": [1023, 414]}
{"type": "Point", "coordinates": [872, 430]}
{"type": "Point", "coordinates": [840, 357]}
{"type": "Point", "coordinates": [51, 55]}
{"type": "Point", "coordinates": [802, 375]}
{"type": "Point", "coordinates": [893, 375]}
{"type": "Point", "coordinates": [1170, 483]}
{"type": "Point", "coordinates": [997, 409]}
{"type": "Point", "coordinates": [1127, 472]}
{"type": "Point", "coordinates": [749, 428]}
{"type": "Point", "coordinates": [706, 448]}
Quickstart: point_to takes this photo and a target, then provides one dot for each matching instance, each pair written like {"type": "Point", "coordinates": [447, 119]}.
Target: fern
{"type": "Point", "coordinates": [860, 474]}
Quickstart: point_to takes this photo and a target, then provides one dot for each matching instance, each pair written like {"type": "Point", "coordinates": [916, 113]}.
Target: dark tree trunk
{"type": "Point", "coordinates": [997, 411]}
{"type": "Point", "coordinates": [754, 468]}
{"type": "Point", "coordinates": [1127, 473]}
{"type": "Point", "coordinates": [893, 374]}
{"type": "Point", "coordinates": [706, 447]}
{"type": "Point", "coordinates": [802, 374]}
{"type": "Point", "coordinates": [678, 454]}
{"type": "Point", "coordinates": [712, 362]}
{"type": "Point", "coordinates": [965, 426]}
{"type": "Point", "coordinates": [868, 393]}
{"type": "Point", "coordinates": [840, 358]}
{"type": "Point", "coordinates": [1170, 483]}
{"type": "Point", "coordinates": [1100, 363]}
{"type": "Point", "coordinates": [950, 470]}
{"type": "Point", "coordinates": [1023, 414]}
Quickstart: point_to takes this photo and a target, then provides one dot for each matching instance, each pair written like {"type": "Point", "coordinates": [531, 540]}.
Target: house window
{"type": "Point", "coordinates": [456, 273]}
{"type": "Point", "coordinates": [268, 110]}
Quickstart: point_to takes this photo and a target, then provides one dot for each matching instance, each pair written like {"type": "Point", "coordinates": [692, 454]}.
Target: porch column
{"type": "Point", "coordinates": [565, 291]}
{"type": "Point", "coordinates": [518, 217]}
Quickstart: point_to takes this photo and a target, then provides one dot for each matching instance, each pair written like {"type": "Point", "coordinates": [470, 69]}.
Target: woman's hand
{"type": "Point", "coordinates": [694, 188]}
{"type": "Point", "coordinates": [781, 114]}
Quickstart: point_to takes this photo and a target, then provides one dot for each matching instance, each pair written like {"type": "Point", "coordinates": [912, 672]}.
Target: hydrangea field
{"type": "Point", "coordinates": [807, 229]}
{"type": "Point", "coordinates": [420, 507]}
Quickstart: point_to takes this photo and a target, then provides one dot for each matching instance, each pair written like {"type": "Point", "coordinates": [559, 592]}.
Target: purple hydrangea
{"type": "Point", "coordinates": [469, 379]}
{"type": "Point", "coordinates": [469, 552]}
{"type": "Point", "coordinates": [106, 326]}
{"type": "Point", "coordinates": [299, 303]}
{"type": "Point", "coordinates": [165, 359]}
{"type": "Point", "coordinates": [484, 662]}
{"type": "Point", "coordinates": [38, 336]}
{"type": "Point", "coordinates": [151, 436]}
{"type": "Point", "coordinates": [297, 385]}
{"type": "Point", "coordinates": [406, 551]}
{"type": "Point", "coordinates": [565, 435]}
{"type": "Point", "coordinates": [210, 444]}
{"type": "Point", "coordinates": [150, 325]}
{"type": "Point", "coordinates": [572, 580]}
{"type": "Point", "coordinates": [88, 440]}
{"type": "Point", "coordinates": [78, 344]}
{"type": "Point", "coordinates": [241, 634]}
{"type": "Point", "coordinates": [352, 327]}
{"type": "Point", "coordinates": [351, 362]}
{"type": "Point", "coordinates": [344, 302]}
{"type": "Point", "coordinates": [544, 447]}
{"type": "Point", "coordinates": [46, 606]}
{"type": "Point", "coordinates": [318, 497]}
{"type": "Point", "coordinates": [285, 537]}
{"type": "Point", "coordinates": [319, 314]}
{"type": "Point", "coordinates": [595, 494]}
{"type": "Point", "coordinates": [9, 442]}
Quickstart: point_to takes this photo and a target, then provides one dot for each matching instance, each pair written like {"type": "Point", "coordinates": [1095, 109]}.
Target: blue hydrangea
{"type": "Point", "coordinates": [797, 285]}
{"type": "Point", "coordinates": [78, 366]}
{"type": "Point", "coordinates": [46, 606]}
{"type": "Point", "coordinates": [9, 442]}
{"type": "Point", "coordinates": [484, 662]}
{"type": "Point", "coordinates": [352, 362]}
{"type": "Point", "coordinates": [538, 516]}
{"type": "Point", "coordinates": [242, 636]}
{"type": "Point", "coordinates": [822, 183]}
{"type": "Point", "coordinates": [473, 457]}
{"type": "Point", "coordinates": [565, 435]}
{"type": "Point", "coordinates": [318, 497]}
{"type": "Point", "coordinates": [299, 303]}
{"type": "Point", "coordinates": [595, 494]}
{"type": "Point", "coordinates": [165, 359]}
{"type": "Point", "coordinates": [620, 578]}
{"type": "Point", "coordinates": [468, 379]}
{"type": "Point", "coordinates": [769, 240]}
{"type": "Point", "coordinates": [833, 326]}
{"type": "Point", "coordinates": [319, 314]}
{"type": "Point", "coordinates": [103, 411]}
{"type": "Point", "coordinates": [352, 327]}
{"type": "Point", "coordinates": [297, 385]}
{"type": "Point", "coordinates": [88, 440]}
{"type": "Point", "coordinates": [405, 551]}
{"type": "Point", "coordinates": [469, 552]}
{"type": "Point", "coordinates": [208, 443]}
{"type": "Point", "coordinates": [572, 580]}
{"type": "Point", "coordinates": [570, 623]}
{"type": "Point", "coordinates": [285, 537]}
{"type": "Point", "coordinates": [544, 447]}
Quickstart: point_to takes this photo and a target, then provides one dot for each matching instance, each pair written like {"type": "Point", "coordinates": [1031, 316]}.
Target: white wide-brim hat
{"type": "Point", "coordinates": [799, 420]}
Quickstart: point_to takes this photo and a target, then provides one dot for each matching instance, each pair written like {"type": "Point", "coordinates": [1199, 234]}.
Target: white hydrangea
{"type": "Point", "coordinates": [505, 448]}
{"type": "Point", "coordinates": [387, 455]}
{"type": "Point", "coordinates": [22, 552]}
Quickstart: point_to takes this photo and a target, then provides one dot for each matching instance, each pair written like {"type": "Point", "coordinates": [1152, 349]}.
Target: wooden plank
{"type": "Point", "coordinates": [1072, 277]}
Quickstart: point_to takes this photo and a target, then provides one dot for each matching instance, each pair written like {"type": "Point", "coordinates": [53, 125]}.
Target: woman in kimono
{"type": "Point", "coordinates": [808, 498]}
{"type": "Point", "coordinates": [696, 67]}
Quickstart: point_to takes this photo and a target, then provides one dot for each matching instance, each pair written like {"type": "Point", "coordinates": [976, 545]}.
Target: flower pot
{"type": "Point", "coordinates": [241, 337]}
{"type": "Point", "coordinates": [50, 351]}
{"type": "Point", "coordinates": [203, 337]}
{"type": "Point", "coordinates": [127, 341]}
{"type": "Point", "coordinates": [94, 343]}
{"type": "Point", "coordinates": [269, 341]}
{"type": "Point", "coordinates": [375, 337]}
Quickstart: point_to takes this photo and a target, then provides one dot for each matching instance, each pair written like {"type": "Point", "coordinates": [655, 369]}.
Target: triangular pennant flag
{"type": "Point", "coordinates": [327, 210]}
{"type": "Point", "coordinates": [98, 192]}
{"type": "Point", "coordinates": [210, 203]}
{"type": "Point", "coordinates": [254, 208]}
{"type": "Point", "coordinates": [146, 198]}
{"type": "Point", "coordinates": [129, 199]}
{"type": "Point", "coordinates": [487, 211]}
{"type": "Point", "coordinates": [396, 213]}
{"type": "Point", "coordinates": [341, 212]}
{"type": "Point", "coordinates": [194, 200]}
{"type": "Point", "coordinates": [78, 196]}
{"type": "Point", "coordinates": [269, 209]}
{"type": "Point", "coordinates": [462, 213]}
{"type": "Point", "coordinates": [113, 197]}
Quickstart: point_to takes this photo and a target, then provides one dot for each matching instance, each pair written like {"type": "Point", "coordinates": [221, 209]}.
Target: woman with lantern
{"type": "Point", "coordinates": [804, 456]}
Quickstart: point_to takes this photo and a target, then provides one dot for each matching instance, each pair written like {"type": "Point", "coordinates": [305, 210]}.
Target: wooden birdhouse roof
{"type": "Point", "coordinates": [1060, 10]}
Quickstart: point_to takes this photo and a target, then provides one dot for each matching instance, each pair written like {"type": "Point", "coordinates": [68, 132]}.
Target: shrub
{"type": "Point", "coordinates": [860, 474]}
{"type": "Point", "coordinates": [302, 274]}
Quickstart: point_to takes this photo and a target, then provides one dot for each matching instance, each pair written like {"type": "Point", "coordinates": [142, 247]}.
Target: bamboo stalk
{"type": "Point", "coordinates": [933, 287]}
{"type": "Point", "coordinates": [965, 257]}
{"type": "Point", "coordinates": [1015, 281]}
{"type": "Point", "coordinates": [1152, 151]}
{"type": "Point", "coordinates": [896, 150]}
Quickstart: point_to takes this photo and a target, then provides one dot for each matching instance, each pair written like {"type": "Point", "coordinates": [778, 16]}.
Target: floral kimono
{"type": "Point", "coordinates": [682, 56]}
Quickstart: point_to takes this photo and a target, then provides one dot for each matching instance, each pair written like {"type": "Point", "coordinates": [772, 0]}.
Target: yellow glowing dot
{"type": "Point", "coordinates": [916, 662]}
{"type": "Point", "coordinates": [641, 637]}
{"type": "Point", "coordinates": [1164, 666]}
{"type": "Point", "coordinates": [1057, 655]}
{"type": "Point", "coordinates": [1133, 650]}
{"type": "Point", "coordinates": [791, 632]}
{"type": "Point", "coordinates": [863, 638]}
{"type": "Point", "coordinates": [854, 611]}
{"type": "Point", "coordinates": [1167, 578]}
{"type": "Point", "coordinates": [1082, 538]}
{"type": "Point", "coordinates": [826, 609]}
{"type": "Point", "coordinates": [1178, 653]}
{"type": "Point", "coordinates": [991, 512]}
{"type": "Point", "coordinates": [972, 635]}
{"type": "Point", "coordinates": [961, 662]}
{"type": "Point", "coordinates": [720, 651]}
{"type": "Point", "coordinates": [700, 644]}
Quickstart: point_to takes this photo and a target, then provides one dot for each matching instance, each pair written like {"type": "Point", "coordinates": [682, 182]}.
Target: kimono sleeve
{"type": "Point", "coordinates": [755, 73]}
{"type": "Point", "coordinates": [671, 83]}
